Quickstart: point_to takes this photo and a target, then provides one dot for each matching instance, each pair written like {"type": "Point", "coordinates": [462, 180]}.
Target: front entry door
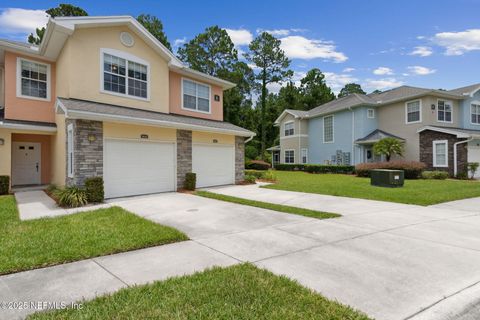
{"type": "Point", "coordinates": [369, 154]}
{"type": "Point", "coordinates": [26, 163]}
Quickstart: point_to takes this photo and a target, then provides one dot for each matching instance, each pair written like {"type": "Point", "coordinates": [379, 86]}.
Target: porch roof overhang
{"type": "Point", "coordinates": [274, 148]}
{"type": "Point", "coordinates": [375, 136]}
{"type": "Point", "coordinates": [89, 110]}
{"type": "Point", "coordinates": [457, 132]}
{"type": "Point", "coordinates": [21, 125]}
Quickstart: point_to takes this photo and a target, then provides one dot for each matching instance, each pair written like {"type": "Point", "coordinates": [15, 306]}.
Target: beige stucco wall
{"type": "Point", "coordinates": [6, 152]}
{"type": "Point", "coordinates": [294, 142]}
{"type": "Point", "coordinates": [58, 146]}
{"type": "Point", "coordinates": [80, 62]}
{"type": "Point", "coordinates": [392, 119]}
{"type": "Point", "coordinates": [128, 131]}
{"type": "Point", "coordinates": [2, 87]}
{"type": "Point", "coordinates": [206, 137]}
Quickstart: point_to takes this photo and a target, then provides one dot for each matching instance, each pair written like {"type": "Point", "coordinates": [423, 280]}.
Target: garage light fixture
{"type": "Point", "coordinates": [92, 138]}
{"type": "Point", "coordinates": [2, 142]}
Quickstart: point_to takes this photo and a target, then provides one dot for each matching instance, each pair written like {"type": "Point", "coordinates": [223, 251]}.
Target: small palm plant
{"type": "Point", "coordinates": [388, 147]}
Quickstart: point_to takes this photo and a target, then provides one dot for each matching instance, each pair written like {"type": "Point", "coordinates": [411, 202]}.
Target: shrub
{"type": "Point", "coordinates": [472, 167]}
{"type": "Point", "coordinates": [250, 179]}
{"type": "Point", "coordinates": [412, 169]}
{"type": "Point", "coordinates": [255, 173]}
{"type": "Point", "coordinates": [51, 188]}
{"type": "Point", "coordinates": [437, 175]}
{"type": "Point", "coordinates": [251, 152]}
{"type": "Point", "coordinates": [315, 168]}
{"type": "Point", "coordinates": [71, 197]}
{"type": "Point", "coordinates": [462, 175]}
{"type": "Point", "coordinates": [4, 184]}
{"type": "Point", "coordinates": [269, 175]}
{"type": "Point", "coordinates": [94, 189]}
{"type": "Point", "coordinates": [190, 181]}
{"type": "Point", "coordinates": [257, 165]}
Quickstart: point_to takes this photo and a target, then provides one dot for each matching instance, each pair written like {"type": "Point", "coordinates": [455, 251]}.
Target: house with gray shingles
{"type": "Point", "coordinates": [438, 127]}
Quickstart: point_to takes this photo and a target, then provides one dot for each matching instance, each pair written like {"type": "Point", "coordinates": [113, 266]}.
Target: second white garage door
{"type": "Point", "coordinates": [213, 164]}
{"type": "Point", "coordinates": [138, 167]}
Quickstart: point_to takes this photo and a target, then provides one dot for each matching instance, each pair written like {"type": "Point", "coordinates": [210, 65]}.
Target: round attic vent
{"type": "Point", "coordinates": [126, 39]}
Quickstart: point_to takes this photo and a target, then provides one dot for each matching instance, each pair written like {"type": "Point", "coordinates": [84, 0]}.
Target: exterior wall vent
{"type": "Point", "coordinates": [127, 39]}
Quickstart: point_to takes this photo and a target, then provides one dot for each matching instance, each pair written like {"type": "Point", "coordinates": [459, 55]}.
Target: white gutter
{"type": "Point", "coordinates": [455, 166]}
{"type": "Point", "coordinates": [75, 114]}
{"type": "Point", "coordinates": [250, 138]}
{"type": "Point", "coordinates": [27, 127]}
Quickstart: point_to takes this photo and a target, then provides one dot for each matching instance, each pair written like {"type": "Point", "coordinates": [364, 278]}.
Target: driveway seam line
{"type": "Point", "coordinates": [226, 254]}
{"type": "Point", "coordinates": [111, 273]}
{"type": "Point", "coordinates": [440, 300]}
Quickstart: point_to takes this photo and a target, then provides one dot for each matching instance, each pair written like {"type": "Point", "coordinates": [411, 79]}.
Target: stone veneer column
{"type": "Point", "coordinates": [87, 151]}
{"type": "Point", "coordinates": [239, 159]}
{"type": "Point", "coordinates": [184, 156]}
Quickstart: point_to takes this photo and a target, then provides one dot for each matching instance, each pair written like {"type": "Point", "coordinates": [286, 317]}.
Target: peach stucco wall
{"type": "Point", "coordinates": [22, 108]}
{"type": "Point", "coordinates": [45, 155]}
{"type": "Point", "coordinates": [176, 100]}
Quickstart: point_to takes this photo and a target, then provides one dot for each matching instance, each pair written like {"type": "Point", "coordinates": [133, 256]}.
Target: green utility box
{"type": "Point", "coordinates": [387, 178]}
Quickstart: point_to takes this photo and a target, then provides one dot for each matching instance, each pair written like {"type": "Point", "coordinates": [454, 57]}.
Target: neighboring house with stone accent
{"type": "Point", "coordinates": [438, 127]}
{"type": "Point", "coordinates": [102, 97]}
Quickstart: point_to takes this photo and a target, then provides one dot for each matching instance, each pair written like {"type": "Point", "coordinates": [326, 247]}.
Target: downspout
{"type": "Point", "coordinates": [300, 139]}
{"type": "Point", "coordinates": [353, 136]}
{"type": "Point", "coordinates": [455, 154]}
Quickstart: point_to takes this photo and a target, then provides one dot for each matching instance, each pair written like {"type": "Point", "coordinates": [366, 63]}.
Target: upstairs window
{"type": "Point", "coordinates": [444, 112]}
{"type": "Point", "coordinates": [328, 129]}
{"type": "Point", "coordinates": [196, 96]}
{"type": "Point", "coordinates": [413, 110]}
{"type": "Point", "coordinates": [289, 129]}
{"type": "Point", "coordinates": [371, 113]}
{"type": "Point", "coordinates": [125, 77]}
{"type": "Point", "coordinates": [33, 79]}
{"type": "Point", "coordinates": [475, 113]}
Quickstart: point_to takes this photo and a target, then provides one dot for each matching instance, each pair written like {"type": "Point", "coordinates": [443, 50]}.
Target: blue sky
{"type": "Point", "coordinates": [379, 44]}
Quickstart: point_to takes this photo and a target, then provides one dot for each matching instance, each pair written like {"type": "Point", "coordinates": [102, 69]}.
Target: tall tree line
{"type": "Point", "coordinates": [250, 104]}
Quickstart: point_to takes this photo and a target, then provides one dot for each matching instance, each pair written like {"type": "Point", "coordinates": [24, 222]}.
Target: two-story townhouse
{"type": "Point", "coordinates": [438, 127]}
{"type": "Point", "coordinates": [101, 96]}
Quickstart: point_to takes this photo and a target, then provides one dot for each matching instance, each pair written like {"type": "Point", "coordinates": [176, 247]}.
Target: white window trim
{"type": "Point", "coordinates": [284, 128]}
{"type": "Point", "coordinates": [434, 153]}
{"type": "Point", "coordinates": [70, 148]}
{"type": "Point", "coordinates": [406, 111]}
{"type": "Point", "coordinates": [476, 102]}
{"type": "Point", "coordinates": [285, 156]}
{"type": "Point", "coordinates": [129, 57]}
{"type": "Point", "coordinates": [306, 155]}
{"type": "Point", "coordinates": [19, 79]}
{"type": "Point", "coordinates": [209, 96]}
{"type": "Point", "coordinates": [451, 105]}
{"type": "Point", "coordinates": [373, 113]}
{"type": "Point", "coordinates": [333, 128]}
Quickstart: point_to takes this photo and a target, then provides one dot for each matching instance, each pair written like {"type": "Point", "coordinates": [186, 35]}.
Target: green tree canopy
{"type": "Point", "coordinates": [289, 97]}
{"type": "Point", "coordinates": [272, 65]}
{"type": "Point", "coordinates": [155, 27]}
{"type": "Point", "coordinates": [63, 10]}
{"type": "Point", "coordinates": [351, 88]}
{"type": "Point", "coordinates": [388, 147]}
{"type": "Point", "coordinates": [315, 90]}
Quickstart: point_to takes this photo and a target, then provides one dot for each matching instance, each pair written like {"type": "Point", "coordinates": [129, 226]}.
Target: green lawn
{"type": "Point", "coordinates": [270, 206]}
{"type": "Point", "coordinates": [238, 292]}
{"type": "Point", "coordinates": [421, 192]}
{"type": "Point", "coordinates": [44, 242]}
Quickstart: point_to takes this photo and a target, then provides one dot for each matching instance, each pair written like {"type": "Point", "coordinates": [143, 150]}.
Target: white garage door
{"type": "Point", "coordinates": [138, 167]}
{"type": "Point", "coordinates": [213, 164]}
{"type": "Point", "coordinates": [474, 154]}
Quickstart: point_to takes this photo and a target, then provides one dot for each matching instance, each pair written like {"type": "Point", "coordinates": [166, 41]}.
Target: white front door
{"type": "Point", "coordinates": [214, 164]}
{"type": "Point", "coordinates": [26, 163]}
{"type": "Point", "coordinates": [133, 167]}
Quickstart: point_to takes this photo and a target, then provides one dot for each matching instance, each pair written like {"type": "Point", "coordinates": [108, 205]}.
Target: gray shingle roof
{"type": "Point", "coordinates": [460, 130]}
{"type": "Point", "coordinates": [465, 90]}
{"type": "Point", "coordinates": [377, 135]}
{"type": "Point", "coordinates": [298, 113]}
{"type": "Point", "coordinates": [171, 120]}
{"type": "Point", "coordinates": [349, 101]}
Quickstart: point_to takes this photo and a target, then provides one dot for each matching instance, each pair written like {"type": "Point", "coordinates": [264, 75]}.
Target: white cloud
{"type": "Point", "coordinates": [337, 81]}
{"type": "Point", "coordinates": [298, 47]}
{"type": "Point", "coordinates": [347, 70]}
{"type": "Point", "coordinates": [179, 42]}
{"type": "Point", "coordinates": [458, 43]}
{"type": "Point", "coordinates": [16, 20]}
{"type": "Point", "coordinates": [240, 37]}
{"type": "Point", "coordinates": [276, 32]}
{"type": "Point", "coordinates": [420, 37]}
{"type": "Point", "coordinates": [381, 71]}
{"type": "Point", "coordinates": [421, 51]}
{"type": "Point", "coordinates": [421, 71]}
{"type": "Point", "coordinates": [382, 84]}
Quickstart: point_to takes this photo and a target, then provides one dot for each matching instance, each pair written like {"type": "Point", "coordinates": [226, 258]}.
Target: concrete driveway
{"type": "Point", "coordinates": [391, 261]}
